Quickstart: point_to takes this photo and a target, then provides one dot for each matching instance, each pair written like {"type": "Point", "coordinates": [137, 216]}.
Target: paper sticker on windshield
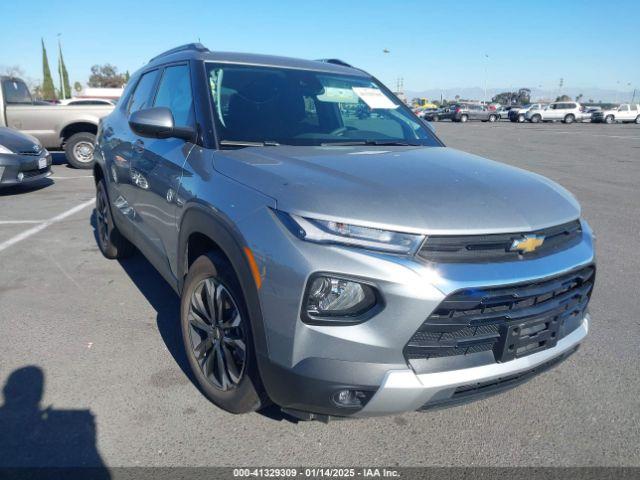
{"type": "Point", "coordinates": [374, 98]}
{"type": "Point", "coordinates": [338, 95]}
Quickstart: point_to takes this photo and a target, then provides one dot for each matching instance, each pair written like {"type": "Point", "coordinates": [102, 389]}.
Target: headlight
{"type": "Point", "coordinates": [4, 149]}
{"type": "Point", "coordinates": [331, 299]}
{"type": "Point", "coordinates": [326, 231]}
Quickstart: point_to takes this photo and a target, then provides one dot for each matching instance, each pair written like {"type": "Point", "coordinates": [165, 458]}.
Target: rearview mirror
{"type": "Point", "coordinates": [157, 122]}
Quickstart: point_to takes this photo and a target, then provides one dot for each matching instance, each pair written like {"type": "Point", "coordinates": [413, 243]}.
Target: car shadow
{"type": "Point", "coordinates": [37, 442]}
{"type": "Point", "coordinates": [167, 306]}
{"type": "Point", "coordinates": [26, 188]}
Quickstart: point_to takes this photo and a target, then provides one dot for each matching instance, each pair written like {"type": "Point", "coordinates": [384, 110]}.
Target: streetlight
{"type": "Point", "coordinates": [486, 63]}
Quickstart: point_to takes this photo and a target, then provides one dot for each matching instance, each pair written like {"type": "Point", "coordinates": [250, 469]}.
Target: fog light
{"type": "Point", "coordinates": [350, 398]}
{"type": "Point", "coordinates": [20, 176]}
{"type": "Point", "coordinates": [337, 297]}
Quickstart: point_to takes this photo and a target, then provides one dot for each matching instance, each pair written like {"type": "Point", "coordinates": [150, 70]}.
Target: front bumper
{"type": "Point", "coordinates": [23, 169]}
{"type": "Point", "coordinates": [303, 365]}
{"type": "Point", "coordinates": [403, 390]}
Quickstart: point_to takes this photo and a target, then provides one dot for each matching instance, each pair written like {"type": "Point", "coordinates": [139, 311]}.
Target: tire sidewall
{"type": "Point", "coordinates": [246, 397]}
{"type": "Point", "coordinates": [569, 119]}
{"type": "Point", "coordinates": [108, 250]}
{"type": "Point", "coordinates": [608, 119]}
{"type": "Point", "coordinates": [464, 118]}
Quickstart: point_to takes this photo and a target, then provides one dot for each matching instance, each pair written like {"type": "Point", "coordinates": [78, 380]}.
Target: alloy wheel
{"type": "Point", "coordinates": [217, 335]}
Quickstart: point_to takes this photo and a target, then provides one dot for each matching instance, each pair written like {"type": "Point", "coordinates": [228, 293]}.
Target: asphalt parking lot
{"type": "Point", "coordinates": [102, 337]}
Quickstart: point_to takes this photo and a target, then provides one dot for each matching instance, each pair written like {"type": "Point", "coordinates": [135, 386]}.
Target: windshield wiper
{"type": "Point", "coordinates": [390, 143]}
{"type": "Point", "coordinates": [242, 144]}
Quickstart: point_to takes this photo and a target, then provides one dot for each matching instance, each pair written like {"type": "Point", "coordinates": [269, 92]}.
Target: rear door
{"type": "Point", "coordinates": [159, 166]}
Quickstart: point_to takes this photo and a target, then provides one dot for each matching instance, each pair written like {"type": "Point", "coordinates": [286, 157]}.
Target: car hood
{"type": "Point", "coordinates": [433, 190]}
{"type": "Point", "coordinates": [17, 141]}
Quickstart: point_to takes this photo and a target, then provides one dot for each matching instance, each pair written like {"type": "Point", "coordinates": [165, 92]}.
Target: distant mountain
{"type": "Point", "coordinates": [477, 93]}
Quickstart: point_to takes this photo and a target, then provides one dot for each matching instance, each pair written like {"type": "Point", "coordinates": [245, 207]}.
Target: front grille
{"type": "Point", "coordinates": [510, 321]}
{"type": "Point", "coordinates": [497, 247]}
{"type": "Point", "coordinates": [31, 153]}
{"type": "Point", "coordinates": [35, 173]}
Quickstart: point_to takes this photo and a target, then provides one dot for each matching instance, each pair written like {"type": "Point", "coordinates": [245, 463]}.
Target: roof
{"type": "Point", "coordinates": [196, 51]}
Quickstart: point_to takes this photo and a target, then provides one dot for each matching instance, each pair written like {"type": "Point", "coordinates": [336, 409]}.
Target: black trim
{"type": "Point", "coordinates": [478, 391]}
{"type": "Point", "coordinates": [497, 247]}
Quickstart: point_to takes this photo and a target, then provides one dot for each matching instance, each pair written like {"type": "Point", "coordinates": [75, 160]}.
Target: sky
{"type": "Point", "coordinates": [432, 44]}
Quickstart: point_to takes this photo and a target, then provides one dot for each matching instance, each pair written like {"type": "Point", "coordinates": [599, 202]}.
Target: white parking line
{"type": "Point", "coordinates": [38, 228]}
{"type": "Point", "coordinates": [18, 222]}
{"type": "Point", "coordinates": [68, 178]}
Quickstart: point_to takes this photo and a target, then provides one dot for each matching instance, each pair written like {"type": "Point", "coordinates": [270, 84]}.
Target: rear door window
{"type": "Point", "coordinates": [142, 95]}
{"type": "Point", "coordinates": [15, 92]}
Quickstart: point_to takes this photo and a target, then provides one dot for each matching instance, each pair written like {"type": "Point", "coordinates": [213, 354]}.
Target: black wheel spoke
{"type": "Point", "coordinates": [232, 369]}
{"type": "Point", "coordinates": [218, 340]}
{"type": "Point", "coordinates": [221, 370]}
{"type": "Point", "coordinates": [202, 348]}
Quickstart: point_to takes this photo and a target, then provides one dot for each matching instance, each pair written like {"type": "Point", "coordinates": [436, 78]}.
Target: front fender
{"type": "Point", "coordinates": [199, 218]}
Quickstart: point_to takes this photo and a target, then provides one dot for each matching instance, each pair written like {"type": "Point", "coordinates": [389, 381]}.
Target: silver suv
{"type": "Point", "coordinates": [332, 256]}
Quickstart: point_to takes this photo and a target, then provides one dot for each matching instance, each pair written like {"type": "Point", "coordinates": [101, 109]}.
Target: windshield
{"type": "Point", "coordinates": [300, 107]}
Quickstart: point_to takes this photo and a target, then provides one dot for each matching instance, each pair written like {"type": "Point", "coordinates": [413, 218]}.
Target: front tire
{"type": "Point", "coordinates": [464, 118]}
{"type": "Point", "coordinates": [521, 118]}
{"type": "Point", "coordinates": [492, 118]}
{"type": "Point", "coordinates": [536, 119]}
{"type": "Point", "coordinates": [111, 242]}
{"type": "Point", "coordinates": [637, 120]}
{"type": "Point", "coordinates": [609, 119]}
{"type": "Point", "coordinates": [217, 337]}
{"type": "Point", "coordinates": [569, 118]}
{"type": "Point", "coordinates": [79, 150]}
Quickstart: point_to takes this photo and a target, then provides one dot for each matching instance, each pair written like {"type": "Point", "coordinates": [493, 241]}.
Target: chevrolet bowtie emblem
{"type": "Point", "coordinates": [527, 244]}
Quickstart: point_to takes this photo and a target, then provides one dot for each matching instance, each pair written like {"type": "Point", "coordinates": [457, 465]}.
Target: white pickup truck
{"type": "Point", "coordinates": [72, 127]}
{"type": "Point", "coordinates": [627, 112]}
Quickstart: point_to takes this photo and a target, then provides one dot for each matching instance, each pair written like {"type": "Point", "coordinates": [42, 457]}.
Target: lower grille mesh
{"type": "Point", "coordinates": [512, 321]}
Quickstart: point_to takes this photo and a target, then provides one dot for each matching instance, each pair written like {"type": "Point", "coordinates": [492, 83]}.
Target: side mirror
{"type": "Point", "coordinates": [157, 122]}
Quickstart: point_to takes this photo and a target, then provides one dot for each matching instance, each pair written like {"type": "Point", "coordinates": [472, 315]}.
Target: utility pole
{"type": "Point", "coordinates": [486, 63]}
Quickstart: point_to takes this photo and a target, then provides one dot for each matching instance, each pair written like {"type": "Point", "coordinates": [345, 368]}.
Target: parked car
{"type": "Point", "coordinates": [87, 101]}
{"type": "Point", "coordinates": [503, 111]}
{"type": "Point", "coordinates": [625, 113]}
{"type": "Point", "coordinates": [72, 128]}
{"type": "Point", "coordinates": [433, 114]}
{"type": "Point", "coordinates": [567, 112]}
{"type": "Point", "coordinates": [333, 265]}
{"type": "Point", "coordinates": [518, 114]}
{"type": "Point", "coordinates": [443, 113]}
{"type": "Point", "coordinates": [22, 158]}
{"type": "Point", "coordinates": [463, 112]}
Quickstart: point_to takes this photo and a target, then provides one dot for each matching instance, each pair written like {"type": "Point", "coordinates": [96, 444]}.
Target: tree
{"type": "Point", "coordinates": [65, 87]}
{"type": "Point", "coordinates": [77, 87]}
{"type": "Point", "coordinates": [48, 92]}
{"type": "Point", "coordinates": [579, 97]}
{"type": "Point", "coordinates": [106, 76]}
{"type": "Point", "coordinates": [524, 96]}
{"type": "Point", "coordinates": [563, 98]}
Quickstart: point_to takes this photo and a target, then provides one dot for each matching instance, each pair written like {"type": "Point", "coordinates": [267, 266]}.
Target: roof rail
{"type": "Point", "coordinates": [335, 61]}
{"type": "Point", "coordinates": [196, 47]}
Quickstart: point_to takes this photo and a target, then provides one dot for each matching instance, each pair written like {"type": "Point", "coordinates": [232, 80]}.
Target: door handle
{"type": "Point", "coordinates": [138, 146]}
